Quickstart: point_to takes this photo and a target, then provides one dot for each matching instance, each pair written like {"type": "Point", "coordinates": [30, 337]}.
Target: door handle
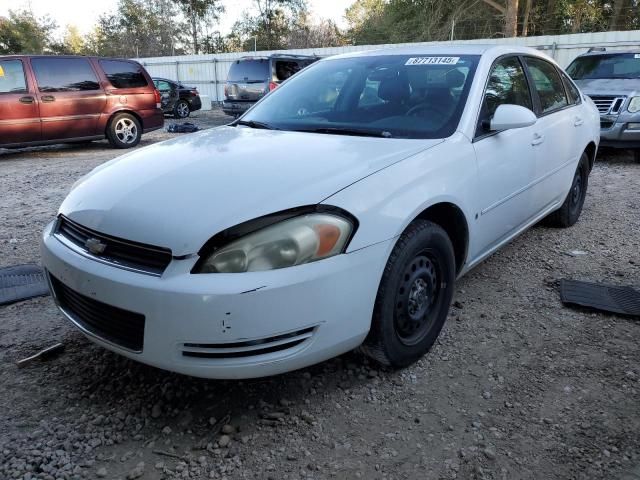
{"type": "Point", "coordinates": [27, 99]}
{"type": "Point", "coordinates": [537, 139]}
{"type": "Point", "coordinates": [577, 122]}
{"type": "Point", "coordinates": [48, 98]}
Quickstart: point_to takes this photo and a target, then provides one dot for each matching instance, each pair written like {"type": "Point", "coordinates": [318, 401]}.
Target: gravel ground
{"type": "Point", "coordinates": [517, 387]}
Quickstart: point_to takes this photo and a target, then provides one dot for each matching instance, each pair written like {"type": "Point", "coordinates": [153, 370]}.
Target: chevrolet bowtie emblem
{"type": "Point", "coordinates": [95, 246]}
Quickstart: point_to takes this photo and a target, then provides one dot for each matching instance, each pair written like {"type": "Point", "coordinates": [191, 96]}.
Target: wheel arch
{"type": "Point", "coordinates": [591, 150]}
{"type": "Point", "coordinates": [124, 110]}
{"type": "Point", "coordinates": [452, 219]}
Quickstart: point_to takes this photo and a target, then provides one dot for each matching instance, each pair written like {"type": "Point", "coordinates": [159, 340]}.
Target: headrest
{"type": "Point", "coordinates": [455, 78]}
{"type": "Point", "coordinates": [394, 88]}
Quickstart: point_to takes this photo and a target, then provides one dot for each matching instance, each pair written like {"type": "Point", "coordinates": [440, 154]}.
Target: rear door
{"type": "Point", "coordinates": [19, 114]}
{"type": "Point", "coordinates": [248, 80]}
{"type": "Point", "coordinates": [70, 96]}
{"type": "Point", "coordinates": [558, 128]}
{"type": "Point", "coordinates": [168, 93]}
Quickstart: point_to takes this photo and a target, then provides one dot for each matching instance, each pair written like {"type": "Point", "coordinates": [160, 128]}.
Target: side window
{"type": "Point", "coordinates": [64, 74]}
{"type": "Point", "coordinates": [572, 91]}
{"type": "Point", "coordinates": [163, 86]}
{"type": "Point", "coordinates": [123, 74]}
{"type": "Point", "coordinates": [507, 85]}
{"type": "Point", "coordinates": [286, 68]}
{"type": "Point", "coordinates": [548, 84]}
{"type": "Point", "coordinates": [12, 77]}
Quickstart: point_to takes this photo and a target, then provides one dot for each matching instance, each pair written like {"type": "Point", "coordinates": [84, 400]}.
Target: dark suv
{"type": "Point", "coordinates": [251, 78]}
{"type": "Point", "coordinates": [177, 99]}
{"type": "Point", "coordinates": [60, 99]}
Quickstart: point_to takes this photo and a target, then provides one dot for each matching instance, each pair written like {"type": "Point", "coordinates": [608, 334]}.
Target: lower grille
{"type": "Point", "coordinates": [116, 325]}
{"type": "Point", "coordinates": [606, 124]}
{"type": "Point", "coordinates": [249, 348]}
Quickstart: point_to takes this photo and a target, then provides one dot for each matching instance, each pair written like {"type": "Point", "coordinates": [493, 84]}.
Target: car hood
{"type": "Point", "coordinates": [177, 194]}
{"type": "Point", "coordinates": [609, 86]}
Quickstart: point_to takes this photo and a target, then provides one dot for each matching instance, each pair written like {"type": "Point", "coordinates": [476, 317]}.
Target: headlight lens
{"type": "Point", "coordinates": [290, 242]}
{"type": "Point", "coordinates": [634, 105]}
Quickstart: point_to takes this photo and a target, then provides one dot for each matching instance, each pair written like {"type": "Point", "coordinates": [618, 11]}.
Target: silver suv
{"type": "Point", "coordinates": [612, 80]}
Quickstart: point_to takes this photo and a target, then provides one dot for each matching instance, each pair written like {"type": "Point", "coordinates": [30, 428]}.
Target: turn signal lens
{"type": "Point", "coordinates": [272, 86]}
{"type": "Point", "coordinates": [288, 243]}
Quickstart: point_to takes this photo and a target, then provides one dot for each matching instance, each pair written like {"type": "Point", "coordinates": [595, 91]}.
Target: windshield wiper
{"type": "Point", "coordinates": [254, 124]}
{"type": "Point", "coordinates": [361, 132]}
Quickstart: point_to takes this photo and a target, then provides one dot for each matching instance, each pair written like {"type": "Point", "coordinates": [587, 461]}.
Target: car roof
{"type": "Point", "coordinates": [277, 56]}
{"type": "Point", "coordinates": [445, 49]}
{"type": "Point", "coordinates": [604, 52]}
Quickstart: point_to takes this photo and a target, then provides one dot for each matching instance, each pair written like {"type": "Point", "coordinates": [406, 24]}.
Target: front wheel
{"type": "Point", "coordinates": [568, 214]}
{"type": "Point", "coordinates": [181, 110]}
{"type": "Point", "coordinates": [413, 297]}
{"type": "Point", "coordinates": [124, 131]}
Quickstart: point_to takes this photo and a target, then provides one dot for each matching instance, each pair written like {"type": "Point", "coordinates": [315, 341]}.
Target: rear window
{"type": "Point", "coordinates": [249, 70]}
{"type": "Point", "coordinates": [12, 77]}
{"type": "Point", "coordinates": [64, 74]}
{"type": "Point", "coordinates": [123, 74]}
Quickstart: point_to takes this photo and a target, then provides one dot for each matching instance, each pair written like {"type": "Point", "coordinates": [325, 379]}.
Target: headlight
{"type": "Point", "coordinates": [634, 105]}
{"type": "Point", "coordinates": [290, 242]}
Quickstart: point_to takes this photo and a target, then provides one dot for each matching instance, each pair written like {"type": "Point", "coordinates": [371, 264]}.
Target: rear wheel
{"type": "Point", "coordinates": [124, 131]}
{"type": "Point", "coordinates": [568, 214]}
{"type": "Point", "coordinates": [413, 297]}
{"type": "Point", "coordinates": [636, 156]}
{"type": "Point", "coordinates": [181, 110]}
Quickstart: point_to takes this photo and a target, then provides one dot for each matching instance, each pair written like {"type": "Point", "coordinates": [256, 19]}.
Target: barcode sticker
{"type": "Point", "coordinates": [433, 61]}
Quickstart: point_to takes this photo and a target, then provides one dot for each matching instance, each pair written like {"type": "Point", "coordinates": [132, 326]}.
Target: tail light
{"type": "Point", "coordinates": [194, 91]}
{"type": "Point", "coordinates": [157, 97]}
{"type": "Point", "coordinates": [272, 86]}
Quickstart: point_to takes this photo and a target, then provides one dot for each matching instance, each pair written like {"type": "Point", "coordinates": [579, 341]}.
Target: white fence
{"type": "Point", "coordinates": [209, 72]}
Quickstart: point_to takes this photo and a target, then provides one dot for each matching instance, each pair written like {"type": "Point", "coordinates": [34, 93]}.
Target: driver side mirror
{"type": "Point", "coordinates": [509, 116]}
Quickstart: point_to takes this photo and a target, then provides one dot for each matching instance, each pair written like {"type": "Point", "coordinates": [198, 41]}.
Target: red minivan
{"type": "Point", "coordinates": [66, 99]}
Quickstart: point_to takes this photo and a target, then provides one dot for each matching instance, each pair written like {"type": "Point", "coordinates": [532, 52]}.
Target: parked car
{"type": "Point", "coordinates": [59, 99]}
{"type": "Point", "coordinates": [251, 78]}
{"type": "Point", "coordinates": [315, 223]}
{"type": "Point", "coordinates": [612, 80]}
{"type": "Point", "coordinates": [177, 99]}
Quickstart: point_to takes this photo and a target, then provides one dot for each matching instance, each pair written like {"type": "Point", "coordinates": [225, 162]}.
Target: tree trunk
{"type": "Point", "coordinates": [525, 18]}
{"type": "Point", "coordinates": [551, 23]}
{"type": "Point", "coordinates": [616, 22]}
{"type": "Point", "coordinates": [511, 19]}
{"type": "Point", "coordinates": [194, 32]}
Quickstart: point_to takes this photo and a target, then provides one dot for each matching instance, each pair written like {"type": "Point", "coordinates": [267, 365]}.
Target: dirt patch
{"type": "Point", "coordinates": [517, 386]}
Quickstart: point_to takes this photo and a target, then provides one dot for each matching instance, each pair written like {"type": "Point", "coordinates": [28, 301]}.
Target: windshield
{"type": "Point", "coordinates": [388, 96]}
{"type": "Point", "coordinates": [624, 65]}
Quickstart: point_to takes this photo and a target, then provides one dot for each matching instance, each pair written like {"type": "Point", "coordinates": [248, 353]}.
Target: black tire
{"type": "Point", "coordinates": [568, 214]}
{"type": "Point", "coordinates": [636, 156]}
{"type": "Point", "coordinates": [414, 296]}
{"type": "Point", "coordinates": [181, 109]}
{"type": "Point", "coordinates": [124, 131]}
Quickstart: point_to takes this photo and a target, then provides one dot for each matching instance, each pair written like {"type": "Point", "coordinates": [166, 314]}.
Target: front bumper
{"type": "Point", "coordinates": [618, 135]}
{"type": "Point", "coordinates": [226, 315]}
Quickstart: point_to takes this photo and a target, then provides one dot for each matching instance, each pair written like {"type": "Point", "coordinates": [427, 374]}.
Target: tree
{"type": "Point", "coordinates": [22, 32]}
{"type": "Point", "coordinates": [197, 11]}
{"type": "Point", "coordinates": [305, 33]}
{"type": "Point", "coordinates": [510, 11]}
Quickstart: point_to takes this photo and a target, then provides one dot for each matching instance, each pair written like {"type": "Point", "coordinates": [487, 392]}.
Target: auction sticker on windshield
{"type": "Point", "coordinates": [433, 61]}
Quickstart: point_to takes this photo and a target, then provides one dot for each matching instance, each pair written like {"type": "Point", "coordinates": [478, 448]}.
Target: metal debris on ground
{"type": "Point", "coordinates": [46, 354]}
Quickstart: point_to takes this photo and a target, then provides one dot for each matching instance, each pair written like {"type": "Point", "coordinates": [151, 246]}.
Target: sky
{"type": "Point", "coordinates": [84, 13]}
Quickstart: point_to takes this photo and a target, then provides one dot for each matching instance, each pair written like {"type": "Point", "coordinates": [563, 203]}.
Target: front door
{"type": "Point", "coordinates": [506, 160]}
{"type": "Point", "coordinates": [168, 94]}
{"type": "Point", "coordinates": [71, 98]}
{"type": "Point", "coordinates": [19, 115]}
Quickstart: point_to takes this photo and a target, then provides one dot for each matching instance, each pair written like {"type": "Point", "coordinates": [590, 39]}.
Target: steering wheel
{"type": "Point", "coordinates": [423, 107]}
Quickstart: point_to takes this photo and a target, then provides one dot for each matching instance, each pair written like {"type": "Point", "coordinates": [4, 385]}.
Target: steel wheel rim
{"type": "Point", "coordinates": [183, 109]}
{"type": "Point", "coordinates": [126, 130]}
{"type": "Point", "coordinates": [417, 298]}
{"type": "Point", "coordinates": [577, 187]}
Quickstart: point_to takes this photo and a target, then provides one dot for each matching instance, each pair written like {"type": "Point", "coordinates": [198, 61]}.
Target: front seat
{"type": "Point", "coordinates": [395, 91]}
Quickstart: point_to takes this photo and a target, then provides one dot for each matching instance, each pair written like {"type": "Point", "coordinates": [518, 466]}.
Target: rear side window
{"type": "Point", "coordinates": [249, 70]}
{"type": "Point", "coordinates": [12, 77]}
{"type": "Point", "coordinates": [283, 69]}
{"type": "Point", "coordinates": [123, 74]}
{"type": "Point", "coordinates": [573, 93]}
{"type": "Point", "coordinates": [162, 85]}
{"type": "Point", "coordinates": [64, 74]}
{"type": "Point", "coordinates": [548, 84]}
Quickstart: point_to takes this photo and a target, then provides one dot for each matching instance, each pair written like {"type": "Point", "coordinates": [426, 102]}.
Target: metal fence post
{"type": "Point", "coordinates": [215, 78]}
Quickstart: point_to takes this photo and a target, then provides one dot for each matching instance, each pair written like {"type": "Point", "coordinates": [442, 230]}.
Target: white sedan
{"type": "Point", "coordinates": [336, 213]}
